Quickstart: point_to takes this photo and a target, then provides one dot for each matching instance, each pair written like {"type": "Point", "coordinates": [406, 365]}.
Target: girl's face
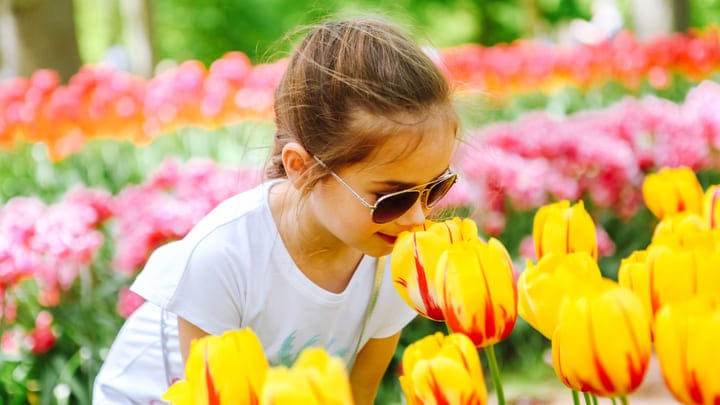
{"type": "Point", "coordinates": [393, 167]}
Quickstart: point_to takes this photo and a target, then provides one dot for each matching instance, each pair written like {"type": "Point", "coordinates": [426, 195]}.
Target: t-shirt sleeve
{"type": "Point", "coordinates": [391, 313]}
{"type": "Point", "coordinates": [209, 294]}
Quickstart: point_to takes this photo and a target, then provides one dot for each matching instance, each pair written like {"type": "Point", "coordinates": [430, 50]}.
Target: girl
{"type": "Point", "coordinates": [365, 132]}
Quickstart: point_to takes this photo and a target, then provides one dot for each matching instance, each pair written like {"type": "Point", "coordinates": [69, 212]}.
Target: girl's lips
{"type": "Point", "coordinates": [388, 238]}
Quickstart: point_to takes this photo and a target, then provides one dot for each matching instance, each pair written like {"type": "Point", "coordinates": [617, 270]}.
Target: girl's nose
{"type": "Point", "coordinates": [415, 216]}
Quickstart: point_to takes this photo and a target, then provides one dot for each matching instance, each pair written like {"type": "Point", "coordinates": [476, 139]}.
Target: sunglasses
{"type": "Point", "coordinates": [391, 206]}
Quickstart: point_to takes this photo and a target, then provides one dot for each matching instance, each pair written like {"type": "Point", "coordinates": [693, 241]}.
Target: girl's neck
{"type": "Point", "coordinates": [324, 259]}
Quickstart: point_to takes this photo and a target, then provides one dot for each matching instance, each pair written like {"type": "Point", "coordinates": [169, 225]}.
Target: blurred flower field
{"type": "Point", "coordinates": [96, 173]}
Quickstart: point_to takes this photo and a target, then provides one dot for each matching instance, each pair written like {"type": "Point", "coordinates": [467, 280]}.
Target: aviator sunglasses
{"type": "Point", "coordinates": [393, 205]}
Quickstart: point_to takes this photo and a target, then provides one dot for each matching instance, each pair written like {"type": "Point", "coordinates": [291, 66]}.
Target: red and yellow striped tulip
{"type": "Point", "coordinates": [686, 339]}
{"type": "Point", "coordinates": [414, 260]}
{"type": "Point", "coordinates": [671, 191]}
{"type": "Point", "coordinates": [661, 275]}
{"type": "Point", "coordinates": [476, 290]}
{"type": "Point", "coordinates": [543, 288]}
{"type": "Point", "coordinates": [560, 228]}
{"type": "Point", "coordinates": [315, 378]}
{"type": "Point", "coordinates": [226, 369]}
{"type": "Point", "coordinates": [443, 370]}
{"type": "Point", "coordinates": [602, 342]}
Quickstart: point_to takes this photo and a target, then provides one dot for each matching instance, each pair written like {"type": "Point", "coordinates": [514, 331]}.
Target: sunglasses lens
{"type": "Point", "coordinates": [438, 190]}
{"type": "Point", "coordinates": [394, 206]}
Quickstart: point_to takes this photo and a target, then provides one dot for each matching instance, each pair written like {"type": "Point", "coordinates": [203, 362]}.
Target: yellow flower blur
{"type": "Point", "coordinates": [441, 369]}
{"type": "Point", "coordinates": [672, 191]}
{"type": "Point", "coordinates": [684, 231]}
{"type": "Point", "coordinates": [543, 288]}
{"type": "Point", "coordinates": [226, 369]}
{"type": "Point", "coordinates": [476, 290]}
{"type": "Point", "coordinates": [711, 207]}
{"type": "Point", "coordinates": [560, 228]}
{"type": "Point", "coordinates": [602, 342]}
{"type": "Point", "coordinates": [414, 260]}
{"type": "Point", "coordinates": [315, 378]}
{"type": "Point", "coordinates": [686, 342]}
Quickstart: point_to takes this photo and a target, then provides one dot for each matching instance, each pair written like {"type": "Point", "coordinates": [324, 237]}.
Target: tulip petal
{"type": "Point", "coordinates": [602, 342]}
{"type": "Point", "coordinates": [477, 291]}
{"type": "Point", "coordinates": [443, 370]}
{"type": "Point", "coordinates": [686, 336]}
{"type": "Point", "coordinates": [542, 289]}
{"type": "Point", "coordinates": [413, 263]}
{"type": "Point", "coordinates": [561, 228]}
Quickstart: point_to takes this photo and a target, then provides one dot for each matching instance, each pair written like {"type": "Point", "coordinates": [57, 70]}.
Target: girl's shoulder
{"type": "Point", "coordinates": [240, 228]}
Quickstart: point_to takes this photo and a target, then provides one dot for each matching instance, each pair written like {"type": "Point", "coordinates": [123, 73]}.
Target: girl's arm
{"type": "Point", "coordinates": [369, 368]}
{"type": "Point", "coordinates": [187, 332]}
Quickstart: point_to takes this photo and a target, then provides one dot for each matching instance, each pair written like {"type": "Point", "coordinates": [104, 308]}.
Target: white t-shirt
{"type": "Point", "coordinates": [233, 271]}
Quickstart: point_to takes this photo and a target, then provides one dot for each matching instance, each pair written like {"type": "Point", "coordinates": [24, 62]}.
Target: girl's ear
{"type": "Point", "coordinates": [296, 161]}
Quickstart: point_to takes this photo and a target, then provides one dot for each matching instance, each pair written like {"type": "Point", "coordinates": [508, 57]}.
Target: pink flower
{"type": "Point", "coordinates": [42, 338]}
{"type": "Point", "coordinates": [128, 302]}
{"type": "Point", "coordinates": [10, 342]}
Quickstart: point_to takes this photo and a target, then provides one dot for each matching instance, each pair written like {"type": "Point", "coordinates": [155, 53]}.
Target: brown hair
{"type": "Point", "coordinates": [340, 74]}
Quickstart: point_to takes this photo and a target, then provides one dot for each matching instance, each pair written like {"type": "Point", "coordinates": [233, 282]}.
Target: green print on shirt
{"type": "Point", "coordinates": [288, 355]}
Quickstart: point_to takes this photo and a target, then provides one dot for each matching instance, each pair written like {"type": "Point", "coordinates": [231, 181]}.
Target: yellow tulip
{"type": "Point", "coordinates": [543, 288]}
{"type": "Point", "coordinates": [315, 378]}
{"type": "Point", "coordinates": [671, 191]}
{"type": "Point", "coordinates": [456, 229]}
{"type": "Point", "coordinates": [602, 342]}
{"type": "Point", "coordinates": [711, 207]}
{"type": "Point", "coordinates": [683, 231]}
{"type": "Point", "coordinates": [414, 260]}
{"type": "Point", "coordinates": [634, 274]}
{"type": "Point", "coordinates": [662, 275]}
{"type": "Point", "coordinates": [441, 369]}
{"type": "Point", "coordinates": [476, 290]}
{"type": "Point", "coordinates": [561, 228]}
{"type": "Point", "coordinates": [686, 338]}
{"type": "Point", "coordinates": [226, 369]}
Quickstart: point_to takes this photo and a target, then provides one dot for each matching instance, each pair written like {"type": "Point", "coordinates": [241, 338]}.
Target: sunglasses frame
{"type": "Point", "coordinates": [420, 189]}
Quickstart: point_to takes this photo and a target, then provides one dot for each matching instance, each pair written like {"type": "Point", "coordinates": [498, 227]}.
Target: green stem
{"type": "Point", "coordinates": [623, 400]}
{"type": "Point", "coordinates": [495, 373]}
{"type": "Point", "coordinates": [576, 397]}
{"type": "Point", "coordinates": [594, 399]}
{"type": "Point", "coordinates": [613, 401]}
{"type": "Point", "coordinates": [588, 401]}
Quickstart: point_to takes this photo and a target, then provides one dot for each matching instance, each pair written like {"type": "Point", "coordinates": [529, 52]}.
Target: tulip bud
{"type": "Point", "coordinates": [476, 290]}
{"type": "Point", "coordinates": [672, 191]}
{"type": "Point", "coordinates": [560, 228]}
{"type": "Point", "coordinates": [441, 369]}
{"type": "Point", "coordinates": [602, 342]}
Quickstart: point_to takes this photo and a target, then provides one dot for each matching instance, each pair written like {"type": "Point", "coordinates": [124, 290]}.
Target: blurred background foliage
{"type": "Point", "coordinates": [205, 30]}
{"type": "Point", "coordinates": [138, 34]}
